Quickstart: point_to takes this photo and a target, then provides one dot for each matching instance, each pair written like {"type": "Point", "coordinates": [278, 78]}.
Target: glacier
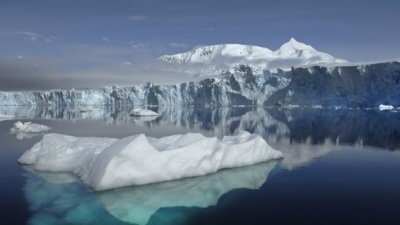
{"type": "Point", "coordinates": [368, 85]}
{"type": "Point", "coordinates": [106, 163]}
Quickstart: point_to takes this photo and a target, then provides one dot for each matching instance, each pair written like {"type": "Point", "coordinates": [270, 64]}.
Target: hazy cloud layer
{"type": "Point", "coordinates": [61, 44]}
{"type": "Point", "coordinates": [23, 74]}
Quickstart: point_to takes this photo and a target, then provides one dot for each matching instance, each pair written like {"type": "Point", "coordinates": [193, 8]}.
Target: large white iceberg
{"type": "Point", "coordinates": [29, 127]}
{"type": "Point", "coordinates": [105, 163]}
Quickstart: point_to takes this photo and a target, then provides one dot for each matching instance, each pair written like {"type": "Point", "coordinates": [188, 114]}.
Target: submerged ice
{"type": "Point", "coordinates": [106, 163]}
{"type": "Point", "coordinates": [58, 197]}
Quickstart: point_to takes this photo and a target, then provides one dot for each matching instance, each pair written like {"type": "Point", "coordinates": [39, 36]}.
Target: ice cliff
{"type": "Point", "coordinates": [351, 86]}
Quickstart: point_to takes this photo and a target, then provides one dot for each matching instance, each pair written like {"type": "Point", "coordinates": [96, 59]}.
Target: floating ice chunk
{"type": "Point", "coordinates": [317, 106]}
{"type": "Point", "coordinates": [136, 160]}
{"type": "Point", "coordinates": [29, 127]}
{"type": "Point", "coordinates": [143, 112]}
{"type": "Point", "coordinates": [385, 107]}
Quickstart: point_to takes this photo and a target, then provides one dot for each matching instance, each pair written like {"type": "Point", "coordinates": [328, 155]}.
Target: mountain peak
{"type": "Point", "coordinates": [293, 44]}
{"type": "Point", "coordinates": [217, 58]}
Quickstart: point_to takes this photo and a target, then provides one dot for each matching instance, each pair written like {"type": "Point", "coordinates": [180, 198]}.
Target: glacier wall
{"type": "Point", "coordinates": [350, 86]}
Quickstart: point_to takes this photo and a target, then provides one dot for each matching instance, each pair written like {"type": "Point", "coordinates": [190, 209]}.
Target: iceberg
{"type": "Point", "coordinates": [106, 163]}
{"type": "Point", "coordinates": [28, 127]}
{"type": "Point", "coordinates": [385, 107]}
{"type": "Point", "coordinates": [143, 112]}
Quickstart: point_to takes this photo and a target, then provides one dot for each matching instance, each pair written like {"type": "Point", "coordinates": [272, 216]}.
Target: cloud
{"type": "Point", "coordinates": [104, 38]}
{"type": "Point", "coordinates": [178, 45]}
{"type": "Point", "coordinates": [89, 66]}
{"type": "Point", "coordinates": [30, 36]}
{"type": "Point", "coordinates": [137, 18]}
{"type": "Point", "coordinates": [44, 74]}
{"type": "Point", "coordinates": [138, 44]}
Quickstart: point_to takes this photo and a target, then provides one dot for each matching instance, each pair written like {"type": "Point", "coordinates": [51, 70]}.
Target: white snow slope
{"type": "Point", "coordinates": [214, 59]}
{"type": "Point", "coordinates": [104, 163]}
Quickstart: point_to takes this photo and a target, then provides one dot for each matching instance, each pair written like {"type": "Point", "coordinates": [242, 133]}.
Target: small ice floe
{"type": "Point", "coordinates": [143, 112]}
{"type": "Point", "coordinates": [105, 163]}
{"type": "Point", "coordinates": [385, 107]}
{"type": "Point", "coordinates": [317, 106]}
{"type": "Point", "coordinates": [29, 127]}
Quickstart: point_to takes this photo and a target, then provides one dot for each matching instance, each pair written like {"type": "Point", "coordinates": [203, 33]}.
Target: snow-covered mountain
{"type": "Point", "coordinates": [215, 59]}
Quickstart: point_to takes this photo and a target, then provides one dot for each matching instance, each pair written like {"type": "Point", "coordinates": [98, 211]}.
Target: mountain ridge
{"type": "Point", "coordinates": [214, 59]}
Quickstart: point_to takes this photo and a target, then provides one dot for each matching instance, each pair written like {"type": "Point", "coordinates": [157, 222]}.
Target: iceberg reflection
{"type": "Point", "coordinates": [56, 198]}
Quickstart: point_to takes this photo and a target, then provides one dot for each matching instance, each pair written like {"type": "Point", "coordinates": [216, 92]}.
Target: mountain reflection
{"type": "Point", "coordinates": [299, 125]}
{"type": "Point", "coordinates": [56, 198]}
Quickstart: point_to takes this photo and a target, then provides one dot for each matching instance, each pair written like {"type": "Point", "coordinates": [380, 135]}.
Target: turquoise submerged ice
{"type": "Point", "coordinates": [57, 198]}
{"type": "Point", "coordinates": [106, 163]}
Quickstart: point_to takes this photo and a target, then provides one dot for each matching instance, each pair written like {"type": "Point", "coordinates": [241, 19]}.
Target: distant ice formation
{"type": "Point", "coordinates": [143, 112]}
{"type": "Point", "coordinates": [105, 163]}
{"type": "Point", "coordinates": [385, 107]}
{"type": "Point", "coordinates": [28, 127]}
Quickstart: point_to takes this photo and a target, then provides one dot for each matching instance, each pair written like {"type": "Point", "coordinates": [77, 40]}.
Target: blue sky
{"type": "Point", "coordinates": [78, 36]}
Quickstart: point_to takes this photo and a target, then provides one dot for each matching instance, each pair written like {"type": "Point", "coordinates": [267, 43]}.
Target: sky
{"type": "Point", "coordinates": [47, 44]}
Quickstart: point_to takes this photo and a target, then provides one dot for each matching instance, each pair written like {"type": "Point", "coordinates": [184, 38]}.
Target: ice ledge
{"type": "Point", "coordinates": [104, 163]}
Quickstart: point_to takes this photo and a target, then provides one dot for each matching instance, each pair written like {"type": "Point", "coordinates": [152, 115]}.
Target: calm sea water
{"type": "Point", "coordinates": [340, 167]}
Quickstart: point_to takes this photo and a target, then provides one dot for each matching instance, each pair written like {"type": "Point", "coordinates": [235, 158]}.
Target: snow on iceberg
{"type": "Point", "coordinates": [108, 163]}
{"type": "Point", "coordinates": [143, 112]}
{"type": "Point", "coordinates": [385, 107]}
{"type": "Point", "coordinates": [29, 127]}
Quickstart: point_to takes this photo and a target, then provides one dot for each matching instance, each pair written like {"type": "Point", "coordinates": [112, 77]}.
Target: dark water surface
{"type": "Point", "coordinates": [340, 167]}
